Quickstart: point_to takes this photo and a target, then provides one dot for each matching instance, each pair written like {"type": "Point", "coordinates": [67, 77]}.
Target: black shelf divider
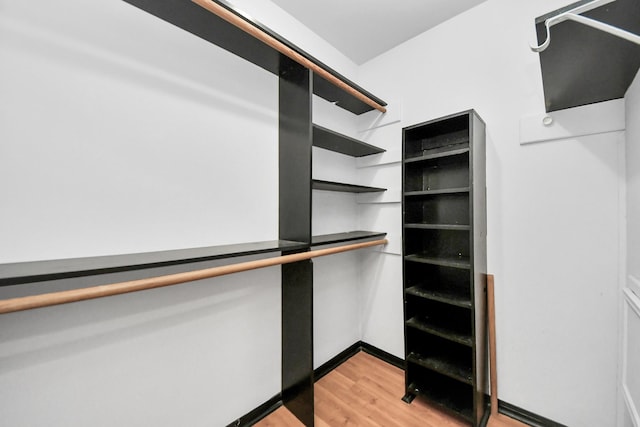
{"type": "Point", "coordinates": [443, 366]}
{"type": "Point", "coordinates": [463, 263]}
{"type": "Point", "coordinates": [440, 295]}
{"type": "Point", "coordinates": [204, 24]}
{"type": "Point", "coordinates": [438, 155]}
{"type": "Point", "coordinates": [460, 227]}
{"type": "Point", "coordinates": [442, 331]}
{"type": "Point", "coordinates": [344, 188]}
{"type": "Point", "coordinates": [38, 271]}
{"type": "Point", "coordinates": [334, 141]}
{"type": "Point", "coordinates": [436, 192]}
{"type": "Point", "coordinates": [350, 236]}
{"type": "Point", "coordinates": [294, 212]}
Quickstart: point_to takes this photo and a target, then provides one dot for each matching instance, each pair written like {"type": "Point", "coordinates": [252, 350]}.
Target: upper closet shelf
{"type": "Point", "coordinates": [334, 141]}
{"type": "Point", "coordinates": [583, 65]}
{"type": "Point", "coordinates": [38, 271]}
{"type": "Point", "coordinates": [344, 188]}
{"type": "Point", "coordinates": [203, 23]}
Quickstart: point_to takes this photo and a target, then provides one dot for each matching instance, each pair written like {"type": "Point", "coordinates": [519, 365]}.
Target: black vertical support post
{"type": "Point", "coordinates": [295, 141]}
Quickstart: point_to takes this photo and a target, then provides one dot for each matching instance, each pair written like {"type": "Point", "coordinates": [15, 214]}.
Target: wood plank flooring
{"type": "Point", "coordinates": [365, 391]}
{"type": "Point", "coordinates": [499, 420]}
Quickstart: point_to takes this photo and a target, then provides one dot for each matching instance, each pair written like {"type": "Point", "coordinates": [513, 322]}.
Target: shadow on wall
{"type": "Point", "coordinates": [210, 82]}
{"type": "Point", "coordinates": [40, 336]}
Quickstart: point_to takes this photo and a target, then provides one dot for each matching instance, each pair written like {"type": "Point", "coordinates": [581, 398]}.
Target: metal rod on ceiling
{"type": "Point", "coordinates": [575, 15]}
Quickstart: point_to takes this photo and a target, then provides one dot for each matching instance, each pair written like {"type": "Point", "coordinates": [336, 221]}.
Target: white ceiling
{"type": "Point", "coordinates": [363, 29]}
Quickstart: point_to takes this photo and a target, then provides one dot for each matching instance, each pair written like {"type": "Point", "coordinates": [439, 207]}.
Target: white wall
{"type": "Point", "coordinates": [381, 287]}
{"type": "Point", "coordinates": [280, 21]}
{"type": "Point", "coordinates": [112, 141]}
{"type": "Point", "coordinates": [630, 372]}
{"type": "Point", "coordinates": [554, 214]}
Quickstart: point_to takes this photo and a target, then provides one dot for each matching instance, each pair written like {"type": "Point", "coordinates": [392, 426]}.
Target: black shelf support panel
{"type": "Point", "coordinates": [583, 65]}
{"type": "Point", "coordinates": [192, 18]}
{"type": "Point", "coordinates": [295, 145]}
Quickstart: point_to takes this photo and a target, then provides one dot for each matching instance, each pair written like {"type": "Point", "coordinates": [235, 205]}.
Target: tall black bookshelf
{"type": "Point", "coordinates": [444, 263]}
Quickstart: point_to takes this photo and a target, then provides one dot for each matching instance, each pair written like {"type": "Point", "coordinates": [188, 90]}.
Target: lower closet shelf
{"type": "Point", "coordinates": [460, 262]}
{"type": "Point", "coordinates": [350, 236]}
{"type": "Point", "coordinates": [442, 331]}
{"type": "Point", "coordinates": [318, 184]}
{"type": "Point", "coordinates": [441, 295]}
{"type": "Point", "coordinates": [443, 366]}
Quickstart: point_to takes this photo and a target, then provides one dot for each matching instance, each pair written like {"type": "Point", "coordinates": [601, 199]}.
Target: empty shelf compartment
{"type": "Point", "coordinates": [443, 392]}
{"type": "Point", "coordinates": [441, 136]}
{"type": "Point", "coordinates": [436, 318]}
{"type": "Point", "coordinates": [439, 355]}
{"type": "Point", "coordinates": [438, 283]}
{"type": "Point", "coordinates": [444, 209]}
{"type": "Point", "coordinates": [440, 173]}
{"type": "Point", "coordinates": [443, 247]}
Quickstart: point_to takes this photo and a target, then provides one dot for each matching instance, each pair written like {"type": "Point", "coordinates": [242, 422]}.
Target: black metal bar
{"type": "Point", "coordinates": [295, 139]}
{"type": "Point", "coordinates": [297, 340]}
{"type": "Point", "coordinates": [295, 148]}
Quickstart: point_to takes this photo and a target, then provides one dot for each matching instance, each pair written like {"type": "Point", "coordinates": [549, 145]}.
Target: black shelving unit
{"type": "Point", "coordinates": [444, 263]}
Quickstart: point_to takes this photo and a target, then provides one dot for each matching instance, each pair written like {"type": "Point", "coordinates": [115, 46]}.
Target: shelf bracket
{"type": "Point", "coordinates": [575, 15]}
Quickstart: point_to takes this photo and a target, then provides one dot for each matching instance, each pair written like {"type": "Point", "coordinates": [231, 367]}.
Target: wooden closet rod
{"type": "Point", "coordinates": [63, 297]}
{"type": "Point", "coordinates": [245, 26]}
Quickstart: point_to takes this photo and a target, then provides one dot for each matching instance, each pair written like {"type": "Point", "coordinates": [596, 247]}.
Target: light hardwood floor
{"type": "Point", "coordinates": [365, 391]}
